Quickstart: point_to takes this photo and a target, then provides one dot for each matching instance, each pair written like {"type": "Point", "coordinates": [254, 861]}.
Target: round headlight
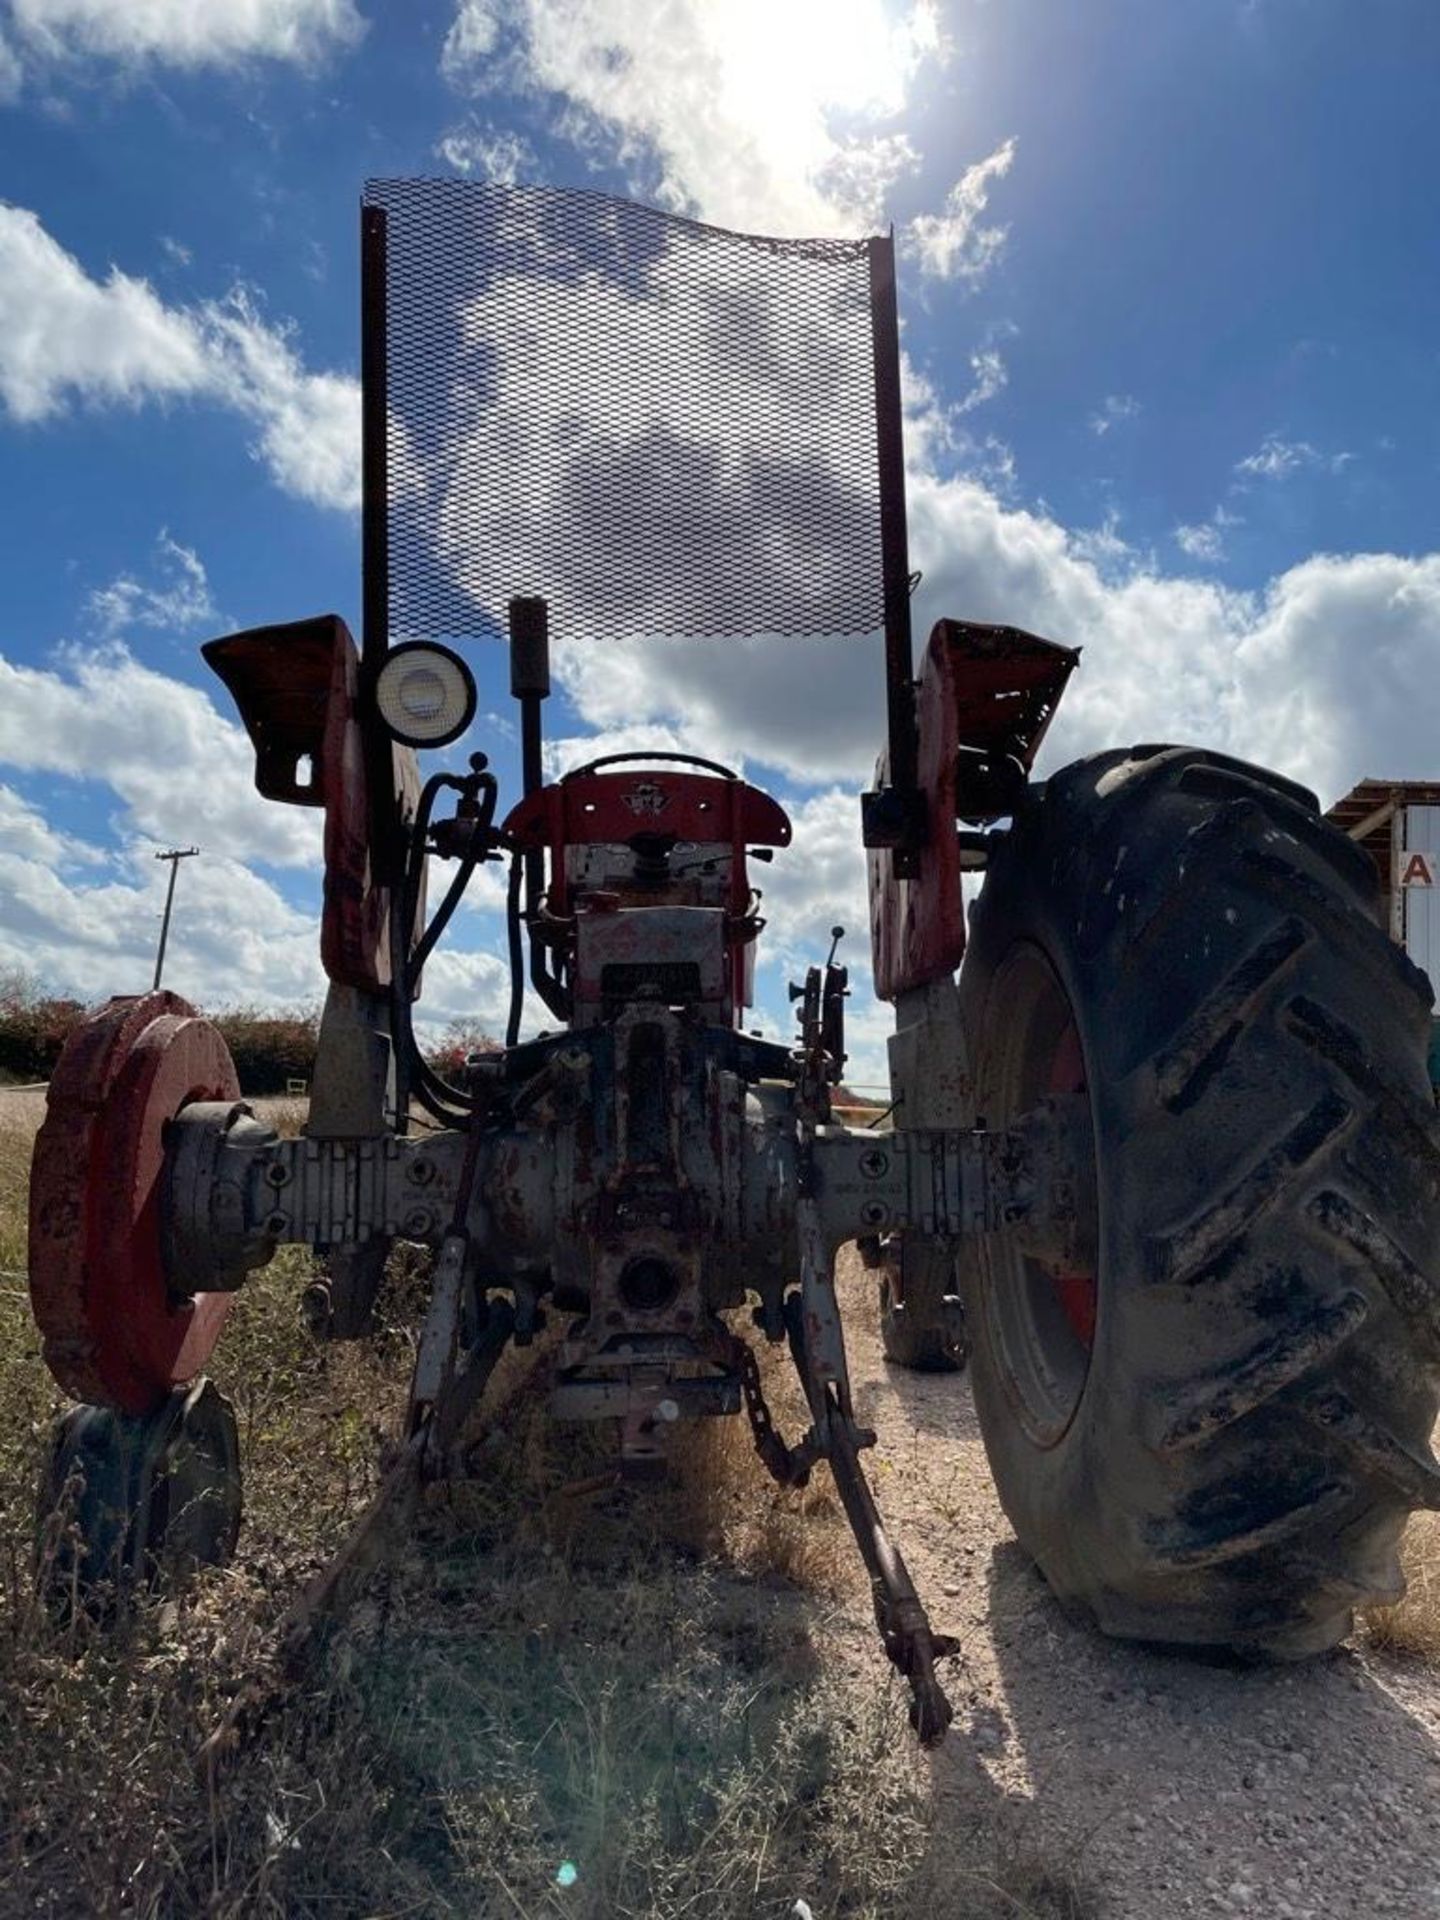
{"type": "Point", "coordinates": [425, 693]}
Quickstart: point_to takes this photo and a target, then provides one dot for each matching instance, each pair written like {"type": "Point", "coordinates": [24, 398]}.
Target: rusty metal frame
{"type": "Point", "coordinates": [386, 844]}
{"type": "Point", "coordinates": [902, 801]}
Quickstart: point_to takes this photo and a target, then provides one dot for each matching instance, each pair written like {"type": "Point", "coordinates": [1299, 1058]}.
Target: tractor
{"type": "Point", "coordinates": [1162, 1161]}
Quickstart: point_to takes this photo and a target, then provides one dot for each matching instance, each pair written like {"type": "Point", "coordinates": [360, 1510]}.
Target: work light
{"type": "Point", "coordinates": [425, 693]}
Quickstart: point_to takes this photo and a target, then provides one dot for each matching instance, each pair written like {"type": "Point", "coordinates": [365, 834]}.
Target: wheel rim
{"type": "Point", "coordinates": [1040, 1314]}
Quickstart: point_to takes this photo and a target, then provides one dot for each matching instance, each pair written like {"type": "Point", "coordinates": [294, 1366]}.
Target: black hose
{"type": "Point", "coordinates": [441, 919]}
{"type": "Point", "coordinates": [517, 956]}
{"type": "Point", "coordinates": [450, 1105]}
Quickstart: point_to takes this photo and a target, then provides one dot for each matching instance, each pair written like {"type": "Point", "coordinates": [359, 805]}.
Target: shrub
{"type": "Point", "coordinates": [33, 1027]}
{"type": "Point", "coordinates": [462, 1038]}
{"type": "Point", "coordinates": [270, 1049]}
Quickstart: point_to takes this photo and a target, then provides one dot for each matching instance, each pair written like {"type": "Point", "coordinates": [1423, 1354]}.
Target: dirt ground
{"type": "Point", "coordinates": [1155, 1786]}
{"type": "Point", "coordinates": [1180, 1787]}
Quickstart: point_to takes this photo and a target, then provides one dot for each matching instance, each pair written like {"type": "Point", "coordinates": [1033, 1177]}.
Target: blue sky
{"type": "Point", "coordinates": [1171, 310]}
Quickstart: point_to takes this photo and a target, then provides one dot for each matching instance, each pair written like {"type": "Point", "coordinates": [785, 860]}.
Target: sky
{"type": "Point", "coordinates": [1170, 311]}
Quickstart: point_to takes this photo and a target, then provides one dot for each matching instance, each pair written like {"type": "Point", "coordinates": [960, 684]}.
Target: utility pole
{"type": "Point", "coordinates": [174, 855]}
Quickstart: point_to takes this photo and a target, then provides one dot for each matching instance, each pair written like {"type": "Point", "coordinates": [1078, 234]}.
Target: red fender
{"type": "Point", "coordinates": [298, 690]}
{"type": "Point", "coordinates": [992, 690]}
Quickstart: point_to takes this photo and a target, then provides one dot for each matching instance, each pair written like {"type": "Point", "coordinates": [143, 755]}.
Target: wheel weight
{"type": "Point", "coordinates": [132, 1502]}
{"type": "Point", "coordinates": [116, 1331]}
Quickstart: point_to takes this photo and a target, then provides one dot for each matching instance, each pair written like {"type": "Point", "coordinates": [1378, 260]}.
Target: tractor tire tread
{"type": "Point", "coordinates": [1256, 1424]}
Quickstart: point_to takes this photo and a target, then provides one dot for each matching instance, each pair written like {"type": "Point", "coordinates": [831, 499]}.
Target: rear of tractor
{"type": "Point", "coordinates": [1162, 1157]}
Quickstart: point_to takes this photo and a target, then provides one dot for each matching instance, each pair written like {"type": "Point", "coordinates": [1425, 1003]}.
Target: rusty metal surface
{"type": "Point", "coordinates": [298, 690]}
{"type": "Point", "coordinates": [650, 837]}
{"type": "Point", "coordinates": [901, 765]}
{"type": "Point", "coordinates": [612, 808]}
{"type": "Point", "coordinates": [993, 691]}
{"type": "Point", "coordinates": [112, 1331]}
{"type": "Point", "coordinates": [280, 679]}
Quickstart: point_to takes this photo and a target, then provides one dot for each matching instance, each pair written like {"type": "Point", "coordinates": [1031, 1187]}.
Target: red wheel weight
{"type": "Point", "coordinates": [113, 1332]}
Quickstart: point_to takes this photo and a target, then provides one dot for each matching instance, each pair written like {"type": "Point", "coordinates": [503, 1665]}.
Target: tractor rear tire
{"type": "Point", "coordinates": [1211, 1425]}
{"type": "Point", "coordinates": [918, 1329]}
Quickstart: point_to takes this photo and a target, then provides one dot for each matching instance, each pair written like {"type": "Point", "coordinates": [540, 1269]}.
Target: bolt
{"type": "Point", "coordinates": [277, 1173]}
{"type": "Point", "coordinates": [277, 1223]}
{"type": "Point", "coordinates": [874, 1163]}
{"type": "Point", "coordinates": [422, 1171]}
{"type": "Point", "coordinates": [417, 1223]}
{"type": "Point", "coordinates": [872, 1214]}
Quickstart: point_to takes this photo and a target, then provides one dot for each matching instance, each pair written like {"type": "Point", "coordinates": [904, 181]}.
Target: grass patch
{"type": "Point", "coordinates": [1412, 1624]}
{"type": "Point", "coordinates": [556, 1702]}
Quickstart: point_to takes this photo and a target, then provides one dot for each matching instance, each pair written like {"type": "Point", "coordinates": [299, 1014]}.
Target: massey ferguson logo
{"type": "Point", "coordinates": [646, 800]}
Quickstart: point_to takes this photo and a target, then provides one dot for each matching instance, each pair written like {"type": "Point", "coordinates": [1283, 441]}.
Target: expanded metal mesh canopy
{"type": "Point", "coordinates": [660, 427]}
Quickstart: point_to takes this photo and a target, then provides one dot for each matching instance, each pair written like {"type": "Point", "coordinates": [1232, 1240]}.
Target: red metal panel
{"type": "Point", "coordinates": [297, 688]}
{"type": "Point", "coordinates": [610, 808]}
{"type": "Point", "coordinates": [355, 922]}
{"type": "Point", "coordinates": [990, 689]}
{"type": "Point", "coordinates": [917, 927]}
{"type": "Point", "coordinates": [112, 1331]}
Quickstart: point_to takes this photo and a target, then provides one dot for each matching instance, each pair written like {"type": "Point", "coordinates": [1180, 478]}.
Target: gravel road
{"type": "Point", "coordinates": [1178, 1787]}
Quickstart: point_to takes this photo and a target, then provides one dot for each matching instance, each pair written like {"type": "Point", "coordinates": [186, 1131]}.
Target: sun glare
{"type": "Point", "coordinates": [853, 55]}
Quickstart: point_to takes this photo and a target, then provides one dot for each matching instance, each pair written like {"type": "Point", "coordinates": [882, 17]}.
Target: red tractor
{"type": "Point", "coordinates": [1163, 1156]}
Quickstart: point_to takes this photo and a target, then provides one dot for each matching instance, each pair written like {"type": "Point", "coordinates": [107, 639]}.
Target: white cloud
{"type": "Point", "coordinates": [1316, 675]}
{"type": "Point", "coordinates": [178, 602]}
{"type": "Point", "coordinates": [1276, 459]}
{"type": "Point", "coordinates": [179, 770]}
{"type": "Point", "coordinates": [64, 334]}
{"type": "Point", "coordinates": [953, 244]}
{"type": "Point", "coordinates": [1201, 540]}
{"type": "Point", "coordinates": [566, 752]}
{"type": "Point", "coordinates": [487, 153]}
{"type": "Point", "coordinates": [1114, 408]}
{"type": "Point", "coordinates": [472, 37]}
{"type": "Point", "coordinates": [233, 939]}
{"type": "Point", "coordinates": [84, 919]}
{"type": "Point", "coordinates": [12, 74]}
{"type": "Point", "coordinates": [66, 338]}
{"type": "Point", "coordinates": [25, 832]}
{"type": "Point", "coordinates": [817, 882]}
{"type": "Point", "coordinates": [186, 33]}
{"type": "Point", "coordinates": [736, 105]}
{"type": "Point", "coordinates": [858, 179]}
{"type": "Point", "coordinates": [989, 378]}
{"type": "Point", "coordinates": [1204, 540]}
{"type": "Point", "coordinates": [309, 422]}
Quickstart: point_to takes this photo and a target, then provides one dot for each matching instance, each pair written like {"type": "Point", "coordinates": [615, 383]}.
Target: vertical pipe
{"type": "Point", "coordinates": [387, 842]}
{"type": "Point", "coordinates": [894, 539]}
{"type": "Point", "coordinates": [386, 846]}
{"type": "Point", "coordinates": [530, 685]}
{"type": "Point", "coordinates": [530, 680]}
{"type": "Point", "coordinates": [374, 474]}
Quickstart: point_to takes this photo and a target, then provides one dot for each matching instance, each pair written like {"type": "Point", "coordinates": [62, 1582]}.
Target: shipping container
{"type": "Point", "coordinates": [1398, 824]}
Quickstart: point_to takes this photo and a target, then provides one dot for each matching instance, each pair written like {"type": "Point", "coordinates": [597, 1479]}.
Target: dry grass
{"type": "Point", "coordinates": [1412, 1624]}
{"type": "Point", "coordinates": [553, 1705]}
